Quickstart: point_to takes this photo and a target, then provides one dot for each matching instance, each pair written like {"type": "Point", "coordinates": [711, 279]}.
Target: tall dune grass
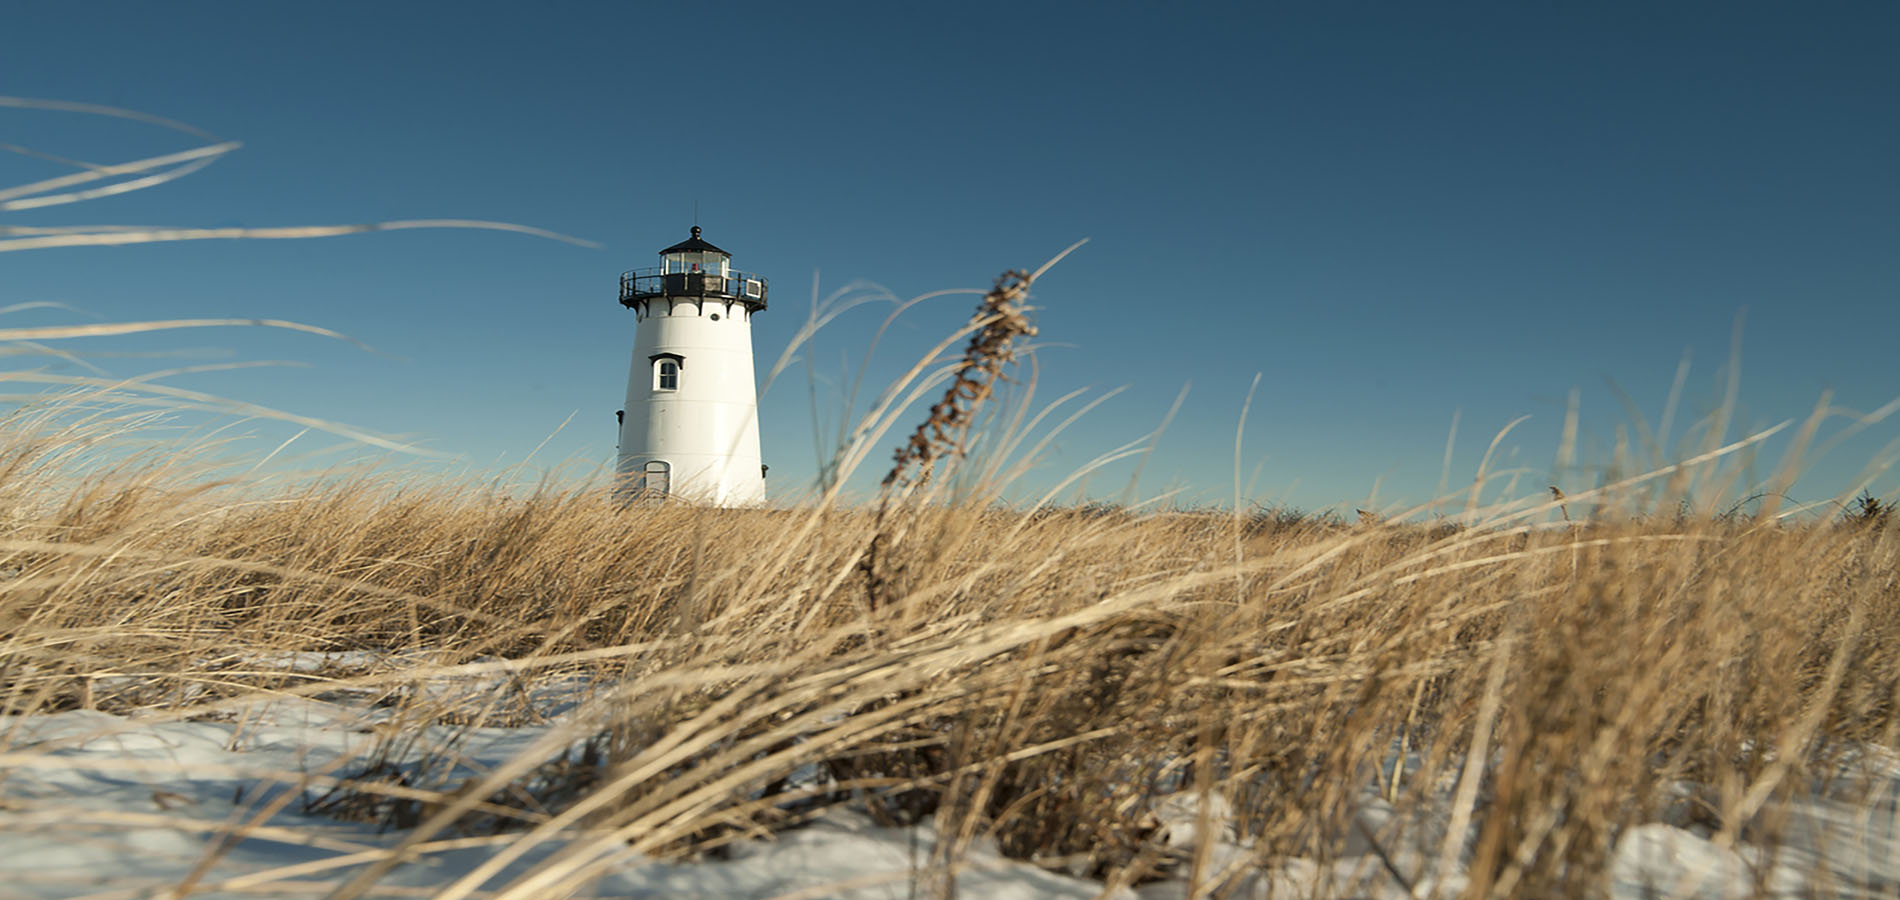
{"type": "Point", "coordinates": [1042, 677]}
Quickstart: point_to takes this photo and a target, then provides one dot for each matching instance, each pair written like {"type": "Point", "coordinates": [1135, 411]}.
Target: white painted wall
{"type": "Point", "coordinates": [708, 429]}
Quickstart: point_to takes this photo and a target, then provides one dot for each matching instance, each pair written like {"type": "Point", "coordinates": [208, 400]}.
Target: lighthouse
{"type": "Point", "coordinates": [690, 429]}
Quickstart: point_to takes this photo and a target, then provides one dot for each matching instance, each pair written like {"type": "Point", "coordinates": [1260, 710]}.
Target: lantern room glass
{"type": "Point", "coordinates": [695, 262]}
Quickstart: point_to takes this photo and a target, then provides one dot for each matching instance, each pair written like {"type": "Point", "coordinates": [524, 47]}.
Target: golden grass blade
{"type": "Point", "coordinates": [110, 329]}
{"type": "Point", "coordinates": [1444, 472]}
{"type": "Point", "coordinates": [123, 187]}
{"type": "Point", "coordinates": [95, 109]}
{"type": "Point", "coordinates": [1478, 480]}
{"type": "Point", "coordinates": [21, 348]}
{"type": "Point", "coordinates": [1045, 267]}
{"type": "Point", "coordinates": [35, 154]}
{"type": "Point", "coordinates": [199, 400]}
{"type": "Point", "coordinates": [121, 238]}
{"type": "Point", "coordinates": [200, 156]}
{"type": "Point", "coordinates": [1008, 461]}
{"type": "Point", "coordinates": [1240, 431]}
{"type": "Point", "coordinates": [1792, 460]}
{"type": "Point", "coordinates": [1475, 758]}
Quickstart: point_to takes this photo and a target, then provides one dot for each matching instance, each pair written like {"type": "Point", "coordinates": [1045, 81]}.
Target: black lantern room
{"type": "Point", "coordinates": [693, 269]}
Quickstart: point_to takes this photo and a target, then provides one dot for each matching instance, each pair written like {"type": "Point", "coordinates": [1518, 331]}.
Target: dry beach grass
{"type": "Point", "coordinates": [1042, 678]}
{"type": "Point", "coordinates": [1046, 680]}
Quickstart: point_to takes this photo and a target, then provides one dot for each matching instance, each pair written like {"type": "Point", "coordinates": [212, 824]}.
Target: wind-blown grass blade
{"type": "Point", "coordinates": [48, 157]}
{"type": "Point", "coordinates": [157, 235]}
{"type": "Point", "coordinates": [184, 163]}
{"type": "Point", "coordinates": [132, 391]}
{"type": "Point", "coordinates": [95, 109]}
{"type": "Point", "coordinates": [109, 329]}
{"type": "Point", "coordinates": [180, 163]}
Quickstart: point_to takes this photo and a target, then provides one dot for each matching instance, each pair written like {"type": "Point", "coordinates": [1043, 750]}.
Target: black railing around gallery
{"type": "Point", "coordinates": [643, 284]}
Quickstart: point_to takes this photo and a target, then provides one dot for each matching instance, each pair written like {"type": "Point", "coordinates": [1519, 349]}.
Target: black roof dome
{"type": "Point", "coordinates": [693, 245]}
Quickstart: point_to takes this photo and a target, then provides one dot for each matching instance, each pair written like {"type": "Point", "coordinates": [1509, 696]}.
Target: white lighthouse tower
{"type": "Point", "coordinates": [691, 425]}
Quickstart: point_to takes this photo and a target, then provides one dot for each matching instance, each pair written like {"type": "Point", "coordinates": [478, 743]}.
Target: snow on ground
{"type": "Point", "coordinates": [95, 805]}
{"type": "Point", "coordinates": [104, 807]}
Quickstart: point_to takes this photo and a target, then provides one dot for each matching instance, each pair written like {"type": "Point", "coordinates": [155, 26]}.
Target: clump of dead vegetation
{"type": "Point", "coordinates": [1045, 680]}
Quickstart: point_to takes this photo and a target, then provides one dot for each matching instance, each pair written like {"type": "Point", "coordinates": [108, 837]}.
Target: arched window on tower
{"type": "Point", "coordinates": [666, 371]}
{"type": "Point", "coordinates": [657, 478]}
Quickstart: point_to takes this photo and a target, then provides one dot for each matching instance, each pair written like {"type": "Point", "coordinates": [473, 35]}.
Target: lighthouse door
{"type": "Point", "coordinates": [659, 477]}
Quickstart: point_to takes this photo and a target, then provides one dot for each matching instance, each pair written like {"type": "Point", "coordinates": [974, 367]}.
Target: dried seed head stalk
{"type": "Point", "coordinates": [999, 320]}
{"type": "Point", "coordinates": [1003, 318]}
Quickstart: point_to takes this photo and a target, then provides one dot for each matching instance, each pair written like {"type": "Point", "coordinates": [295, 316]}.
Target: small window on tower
{"type": "Point", "coordinates": [666, 375]}
{"type": "Point", "coordinates": [657, 479]}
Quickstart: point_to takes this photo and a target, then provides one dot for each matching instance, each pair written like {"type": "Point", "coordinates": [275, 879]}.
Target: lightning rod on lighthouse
{"type": "Point", "coordinates": [690, 429]}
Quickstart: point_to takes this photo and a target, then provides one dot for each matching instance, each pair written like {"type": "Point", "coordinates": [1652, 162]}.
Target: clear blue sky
{"type": "Point", "coordinates": [1392, 212]}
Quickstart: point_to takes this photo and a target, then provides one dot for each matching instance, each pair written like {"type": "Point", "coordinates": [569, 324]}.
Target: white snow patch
{"type": "Point", "coordinates": [92, 803]}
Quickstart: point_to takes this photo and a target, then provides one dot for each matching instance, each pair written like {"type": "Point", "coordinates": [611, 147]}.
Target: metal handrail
{"type": "Point", "coordinates": [640, 284]}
